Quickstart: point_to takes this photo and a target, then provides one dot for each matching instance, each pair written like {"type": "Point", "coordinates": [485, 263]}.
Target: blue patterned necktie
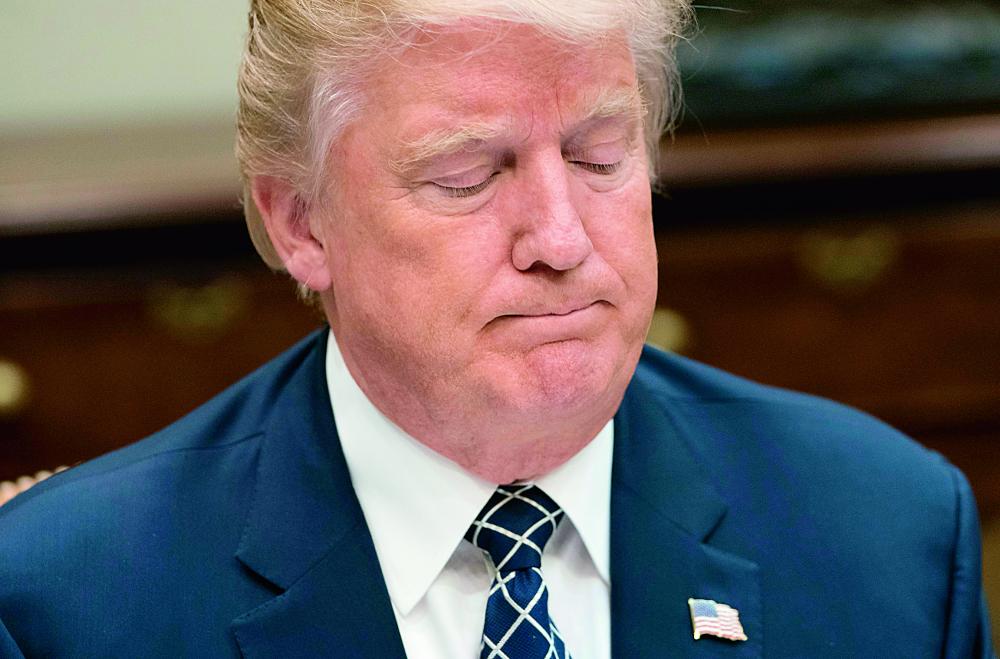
{"type": "Point", "coordinates": [512, 529]}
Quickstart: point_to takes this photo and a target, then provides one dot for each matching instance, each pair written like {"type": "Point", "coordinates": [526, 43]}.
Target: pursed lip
{"type": "Point", "coordinates": [550, 324]}
{"type": "Point", "coordinates": [564, 309]}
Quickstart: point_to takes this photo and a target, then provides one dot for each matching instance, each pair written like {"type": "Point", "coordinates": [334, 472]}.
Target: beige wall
{"type": "Point", "coordinates": [65, 64]}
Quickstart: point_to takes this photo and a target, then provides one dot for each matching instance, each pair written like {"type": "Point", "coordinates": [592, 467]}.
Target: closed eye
{"type": "Point", "coordinates": [466, 191]}
{"type": "Point", "coordinates": [602, 168]}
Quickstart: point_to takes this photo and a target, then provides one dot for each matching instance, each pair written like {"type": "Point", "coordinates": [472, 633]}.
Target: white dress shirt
{"type": "Point", "coordinates": [418, 506]}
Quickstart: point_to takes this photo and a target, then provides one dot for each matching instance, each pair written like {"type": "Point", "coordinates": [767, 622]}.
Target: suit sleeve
{"type": "Point", "coordinates": [8, 648]}
{"type": "Point", "coordinates": [968, 625]}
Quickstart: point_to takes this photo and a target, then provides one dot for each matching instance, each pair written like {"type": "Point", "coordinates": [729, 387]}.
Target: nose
{"type": "Point", "coordinates": [552, 230]}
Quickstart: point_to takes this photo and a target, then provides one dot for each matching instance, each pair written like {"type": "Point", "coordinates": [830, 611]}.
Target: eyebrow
{"type": "Point", "coordinates": [626, 103]}
{"type": "Point", "coordinates": [446, 141]}
{"type": "Point", "coordinates": [618, 102]}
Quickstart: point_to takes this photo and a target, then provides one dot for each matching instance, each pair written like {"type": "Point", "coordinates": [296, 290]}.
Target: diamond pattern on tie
{"type": "Point", "coordinates": [512, 529]}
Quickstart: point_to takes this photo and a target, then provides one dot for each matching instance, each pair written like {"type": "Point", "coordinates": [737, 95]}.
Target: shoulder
{"type": "Point", "coordinates": [153, 488]}
{"type": "Point", "coordinates": [147, 536]}
{"type": "Point", "coordinates": [729, 413]}
{"type": "Point", "coordinates": [148, 533]}
{"type": "Point", "coordinates": [787, 461]}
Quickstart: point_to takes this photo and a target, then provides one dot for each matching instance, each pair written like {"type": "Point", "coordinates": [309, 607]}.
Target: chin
{"type": "Point", "coordinates": [571, 379]}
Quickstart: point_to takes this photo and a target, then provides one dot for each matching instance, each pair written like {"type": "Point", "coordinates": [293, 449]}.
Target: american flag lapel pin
{"type": "Point", "coordinates": [710, 618]}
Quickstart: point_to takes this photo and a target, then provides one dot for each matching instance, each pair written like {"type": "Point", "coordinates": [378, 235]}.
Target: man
{"type": "Point", "coordinates": [465, 189]}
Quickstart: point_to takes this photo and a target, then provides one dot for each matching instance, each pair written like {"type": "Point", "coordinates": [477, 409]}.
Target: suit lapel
{"type": "Point", "coordinates": [306, 535]}
{"type": "Point", "coordinates": [663, 510]}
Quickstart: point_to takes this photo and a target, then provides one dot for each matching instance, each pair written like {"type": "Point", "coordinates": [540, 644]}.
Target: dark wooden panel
{"type": "Point", "coordinates": [889, 314]}
{"type": "Point", "coordinates": [110, 358]}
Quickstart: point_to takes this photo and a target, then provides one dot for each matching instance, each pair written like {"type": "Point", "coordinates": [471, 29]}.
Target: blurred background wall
{"type": "Point", "coordinates": [69, 64]}
{"type": "Point", "coordinates": [830, 220]}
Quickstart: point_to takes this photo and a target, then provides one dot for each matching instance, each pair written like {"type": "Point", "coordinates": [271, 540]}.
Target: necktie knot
{"type": "Point", "coordinates": [514, 526]}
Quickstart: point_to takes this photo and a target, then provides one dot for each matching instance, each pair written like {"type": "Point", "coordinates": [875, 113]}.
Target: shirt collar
{"type": "Point", "coordinates": [582, 488]}
{"type": "Point", "coordinates": [407, 491]}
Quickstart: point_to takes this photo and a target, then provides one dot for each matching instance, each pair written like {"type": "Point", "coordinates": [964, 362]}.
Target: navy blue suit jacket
{"type": "Point", "coordinates": [236, 532]}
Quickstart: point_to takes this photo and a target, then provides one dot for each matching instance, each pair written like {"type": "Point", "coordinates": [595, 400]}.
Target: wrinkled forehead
{"type": "Point", "coordinates": [491, 68]}
{"type": "Point", "coordinates": [480, 47]}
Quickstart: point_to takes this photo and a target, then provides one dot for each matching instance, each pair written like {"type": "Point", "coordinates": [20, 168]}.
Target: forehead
{"type": "Point", "coordinates": [497, 72]}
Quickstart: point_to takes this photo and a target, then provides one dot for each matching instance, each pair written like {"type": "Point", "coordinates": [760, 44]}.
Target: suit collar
{"type": "Point", "coordinates": [657, 463]}
{"type": "Point", "coordinates": [303, 502]}
{"type": "Point", "coordinates": [664, 509]}
{"type": "Point", "coordinates": [305, 534]}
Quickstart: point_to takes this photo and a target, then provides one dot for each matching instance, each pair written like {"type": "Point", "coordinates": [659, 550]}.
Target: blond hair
{"type": "Point", "coordinates": [305, 63]}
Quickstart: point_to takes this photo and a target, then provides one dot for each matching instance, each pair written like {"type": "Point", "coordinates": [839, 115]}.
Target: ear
{"type": "Point", "coordinates": [286, 219]}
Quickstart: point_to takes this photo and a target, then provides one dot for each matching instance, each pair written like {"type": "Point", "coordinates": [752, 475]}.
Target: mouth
{"type": "Point", "coordinates": [562, 310]}
{"type": "Point", "coordinates": [552, 324]}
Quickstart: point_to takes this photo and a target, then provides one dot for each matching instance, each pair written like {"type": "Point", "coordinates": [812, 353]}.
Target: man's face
{"type": "Point", "coordinates": [490, 245]}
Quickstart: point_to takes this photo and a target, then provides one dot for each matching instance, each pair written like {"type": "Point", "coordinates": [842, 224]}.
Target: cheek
{"type": "Point", "coordinates": [621, 229]}
{"type": "Point", "coordinates": [464, 271]}
{"type": "Point", "coordinates": [420, 272]}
